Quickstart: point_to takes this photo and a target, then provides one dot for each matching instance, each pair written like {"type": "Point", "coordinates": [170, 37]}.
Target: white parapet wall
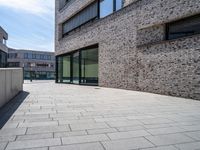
{"type": "Point", "coordinates": [11, 83]}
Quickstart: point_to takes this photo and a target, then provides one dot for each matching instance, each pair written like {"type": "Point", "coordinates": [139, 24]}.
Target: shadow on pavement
{"type": "Point", "coordinates": [9, 109]}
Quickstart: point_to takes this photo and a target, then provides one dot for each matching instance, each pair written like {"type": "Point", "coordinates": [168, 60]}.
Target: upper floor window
{"type": "Point", "coordinates": [25, 55]}
{"type": "Point", "coordinates": [12, 55]}
{"type": "Point", "coordinates": [107, 7]}
{"type": "Point", "coordinates": [62, 3]}
{"type": "Point", "coordinates": [89, 13]}
{"type": "Point", "coordinates": [182, 28]}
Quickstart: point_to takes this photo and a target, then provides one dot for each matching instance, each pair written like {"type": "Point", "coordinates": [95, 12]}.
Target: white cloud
{"type": "Point", "coordinates": [37, 7]}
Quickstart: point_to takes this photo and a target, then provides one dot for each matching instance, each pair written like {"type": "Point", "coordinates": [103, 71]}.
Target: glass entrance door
{"type": "Point", "coordinates": [80, 67]}
{"type": "Point", "coordinates": [75, 65]}
{"type": "Point", "coordinates": [89, 66]}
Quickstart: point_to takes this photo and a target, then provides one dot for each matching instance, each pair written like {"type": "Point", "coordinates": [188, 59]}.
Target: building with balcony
{"type": "Point", "coordinates": [144, 45]}
{"type": "Point", "coordinates": [37, 64]}
{"type": "Point", "coordinates": [3, 48]}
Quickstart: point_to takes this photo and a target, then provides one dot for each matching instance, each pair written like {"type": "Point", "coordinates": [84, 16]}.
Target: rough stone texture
{"type": "Point", "coordinates": [126, 119]}
{"type": "Point", "coordinates": [132, 51]}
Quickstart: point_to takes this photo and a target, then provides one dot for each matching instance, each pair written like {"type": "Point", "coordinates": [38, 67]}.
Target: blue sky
{"type": "Point", "coordinates": [29, 23]}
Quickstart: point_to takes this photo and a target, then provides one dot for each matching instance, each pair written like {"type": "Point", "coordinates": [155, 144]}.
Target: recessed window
{"type": "Point", "coordinates": [182, 28]}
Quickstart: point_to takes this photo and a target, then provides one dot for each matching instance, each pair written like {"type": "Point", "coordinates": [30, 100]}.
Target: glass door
{"type": "Point", "coordinates": [75, 69]}
{"type": "Point", "coordinates": [89, 66]}
{"type": "Point", "coordinates": [66, 73]}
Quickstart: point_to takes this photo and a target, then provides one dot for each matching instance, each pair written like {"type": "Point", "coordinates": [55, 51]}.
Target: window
{"type": "Point", "coordinates": [34, 56]}
{"type": "Point", "coordinates": [98, 9]}
{"type": "Point", "coordinates": [48, 57]}
{"type": "Point", "coordinates": [29, 55]}
{"type": "Point", "coordinates": [80, 67]}
{"type": "Point", "coordinates": [89, 13]}
{"type": "Point", "coordinates": [3, 59]}
{"type": "Point", "coordinates": [62, 3]}
{"type": "Point", "coordinates": [12, 55]}
{"type": "Point", "coordinates": [42, 57]}
{"type": "Point", "coordinates": [25, 55]}
{"type": "Point", "coordinates": [107, 7]}
{"type": "Point", "coordinates": [13, 64]}
{"type": "Point", "coordinates": [182, 28]}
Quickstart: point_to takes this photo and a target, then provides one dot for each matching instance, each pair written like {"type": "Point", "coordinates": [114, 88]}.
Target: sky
{"type": "Point", "coordinates": [29, 23]}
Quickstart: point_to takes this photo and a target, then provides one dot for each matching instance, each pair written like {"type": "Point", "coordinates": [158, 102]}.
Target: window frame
{"type": "Point", "coordinates": [63, 34]}
{"type": "Point", "coordinates": [167, 27]}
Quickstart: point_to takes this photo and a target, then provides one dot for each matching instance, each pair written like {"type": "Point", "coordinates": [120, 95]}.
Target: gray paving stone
{"type": "Point", "coordinates": [88, 126]}
{"type": "Point", "coordinates": [35, 136]}
{"type": "Point", "coordinates": [87, 146]}
{"type": "Point", "coordinates": [189, 146]}
{"type": "Point", "coordinates": [129, 134]}
{"type": "Point", "coordinates": [93, 115]}
{"type": "Point", "coordinates": [156, 121]}
{"type": "Point", "coordinates": [128, 144]}
{"type": "Point", "coordinates": [38, 124]}
{"type": "Point", "coordinates": [3, 145]}
{"type": "Point", "coordinates": [47, 129]}
{"type": "Point", "coordinates": [130, 128]}
{"type": "Point", "coordinates": [43, 148]}
{"type": "Point", "coordinates": [124, 123]}
{"type": "Point", "coordinates": [195, 135]}
{"type": "Point", "coordinates": [167, 130]}
{"type": "Point", "coordinates": [66, 134]}
{"type": "Point", "coordinates": [7, 138]}
{"type": "Point", "coordinates": [162, 148]}
{"type": "Point", "coordinates": [12, 131]}
{"type": "Point", "coordinates": [99, 131]}
{"type": "Point", "coordinates": [84, 139]}
{"type": "Point", "coordinates": [169, 139]}
{"type": "Point", "coordinates": [33, 143]}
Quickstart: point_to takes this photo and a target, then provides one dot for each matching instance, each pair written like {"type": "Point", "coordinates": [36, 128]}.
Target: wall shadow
{"type": "Point", "coordinates": [9, 109]}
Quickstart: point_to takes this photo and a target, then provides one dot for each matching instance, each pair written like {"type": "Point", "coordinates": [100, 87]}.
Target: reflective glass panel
{"type": "Point", "coordinates": [89, 66]}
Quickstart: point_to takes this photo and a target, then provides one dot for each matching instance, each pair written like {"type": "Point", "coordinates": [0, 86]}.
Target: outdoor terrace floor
{"type": "Point", "coordinates": [71, 117]}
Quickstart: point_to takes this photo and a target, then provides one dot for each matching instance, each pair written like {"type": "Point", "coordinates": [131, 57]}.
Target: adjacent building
{"type": "Point", "coordinates": [37, 64]}
{"type": "Point", "coordinates": [144, 45]}
{"type": "Point", "coordinates": [3, 48]}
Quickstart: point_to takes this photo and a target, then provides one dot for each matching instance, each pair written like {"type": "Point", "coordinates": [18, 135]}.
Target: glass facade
{"type": "Point", "coordinates": [80, 67]}
{"type": "Point", "coordinates": [97, 9]}
{"type": "Point", "coordinates": [89, 66]}
{"type": "Point", "coordinates": [39, 75]}
{"type": "Point", "coordinates": [3, 59]}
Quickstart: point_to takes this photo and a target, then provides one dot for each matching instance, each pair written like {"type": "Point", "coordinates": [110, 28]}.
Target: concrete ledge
{"type": "Point", "coordinates": [11, 83]}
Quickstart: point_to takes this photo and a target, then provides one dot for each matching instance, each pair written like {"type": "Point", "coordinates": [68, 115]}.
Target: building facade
{"type": "Point", "coordinates": [3, 48]}
{"type": "Point", "coordinates": [144, 45]}
{"type": "Point", "coordinates": [37, 65]}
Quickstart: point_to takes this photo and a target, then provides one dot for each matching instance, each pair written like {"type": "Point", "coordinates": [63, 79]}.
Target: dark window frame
{"type": "Point", "coordinates": [71, 65]}
{"type": "Point", "coordinates": [63, 34]}
{"type": "Point", "coordinates": [168, 25]}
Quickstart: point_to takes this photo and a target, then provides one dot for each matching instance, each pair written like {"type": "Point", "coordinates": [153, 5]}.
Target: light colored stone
{"type": "Point", "coordinates": [128, 144]}
{"type": "Point", "coordinates": [35, 136]}
{"type": "Point", "coordinates": [169, 139]}
{"type": "Point", "coordinates": [84, 139]}
{"type": "Point", "coordinates": [189, 146]}
{"type": "Point", "coordinates": [33, 143]}
{"type": "Point", "coordinates": [87, 146]}
{"type": "Point", "coordinates": [129, 134]}
{"type": "Point", "coordinates": [47, 129]}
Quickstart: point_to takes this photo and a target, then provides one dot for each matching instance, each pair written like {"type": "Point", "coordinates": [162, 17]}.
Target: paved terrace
{"type": "Point", "coordinates": [69, 117]}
